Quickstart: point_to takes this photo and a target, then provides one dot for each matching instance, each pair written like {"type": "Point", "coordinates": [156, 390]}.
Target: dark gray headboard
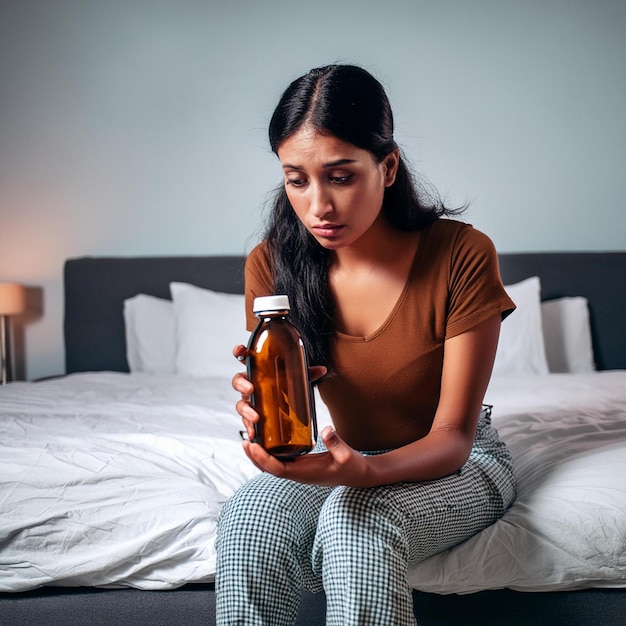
{"type": "Point", "coordinates": [598, 276]}
{"type": "Point", "coordinates": [95, 289]}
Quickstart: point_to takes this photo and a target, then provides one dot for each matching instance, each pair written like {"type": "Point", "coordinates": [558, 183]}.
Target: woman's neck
{"type": "Point", "coordinates": [383, 247]}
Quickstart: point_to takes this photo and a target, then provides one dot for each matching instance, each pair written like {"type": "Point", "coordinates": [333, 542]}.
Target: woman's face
{"type": "Point", "coordinates": [335, 188]}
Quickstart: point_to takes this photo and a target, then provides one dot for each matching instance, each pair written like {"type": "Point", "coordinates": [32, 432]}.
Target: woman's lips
{"type": "Point", "coordinates": [326, 230]}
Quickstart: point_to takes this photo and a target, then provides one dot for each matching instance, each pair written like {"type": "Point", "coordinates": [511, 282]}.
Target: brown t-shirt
{"type": "Point", "coordinates": [390, 380]}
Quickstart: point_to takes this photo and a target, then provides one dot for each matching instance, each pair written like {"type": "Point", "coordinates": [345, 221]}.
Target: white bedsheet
{"type": "Point", "coordinates": [116, 480]}
{"type": "Point", "coordinates": [567, 527]}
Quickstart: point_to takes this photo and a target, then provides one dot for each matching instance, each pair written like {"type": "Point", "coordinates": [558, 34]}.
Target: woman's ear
{"type": "Point", "coordinates": [390, 163]}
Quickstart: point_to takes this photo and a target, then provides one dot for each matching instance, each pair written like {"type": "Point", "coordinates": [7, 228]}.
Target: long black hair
{"type": "Point", "coordinates": [347, 102]}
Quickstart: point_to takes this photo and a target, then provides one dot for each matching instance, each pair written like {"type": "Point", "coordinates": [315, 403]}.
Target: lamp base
{"type": "Point", "coordinates": [4, 365]}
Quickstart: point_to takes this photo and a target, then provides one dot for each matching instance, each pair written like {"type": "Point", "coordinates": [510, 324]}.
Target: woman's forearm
{"type": "Point", "coordinates": [438, 454]}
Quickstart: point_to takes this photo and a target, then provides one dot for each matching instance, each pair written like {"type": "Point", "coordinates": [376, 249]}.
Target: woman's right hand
{"type": "Point", "coordinates": [242, 385]}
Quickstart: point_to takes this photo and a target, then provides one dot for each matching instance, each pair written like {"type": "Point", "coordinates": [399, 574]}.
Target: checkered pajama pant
{"type": "Point", "coordinates": [276, 536]}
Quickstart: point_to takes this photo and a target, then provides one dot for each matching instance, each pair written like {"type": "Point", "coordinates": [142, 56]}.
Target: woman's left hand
{"type": "Point", "coordinates": [341, 465]}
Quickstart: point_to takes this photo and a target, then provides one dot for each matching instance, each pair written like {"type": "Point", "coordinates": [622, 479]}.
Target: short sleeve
{"type": "Point", "coordinates": [476, 292]}
{"type": "Point", "coordinates": [258, 280]}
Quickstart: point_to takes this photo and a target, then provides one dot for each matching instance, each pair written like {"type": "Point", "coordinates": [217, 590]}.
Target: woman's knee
{"type": "Point", "coordinates": [267, 506]}
{"type": "Point", "coordinates": [356, 520]}
{"type": "Point", "coordinates": [359, 508]}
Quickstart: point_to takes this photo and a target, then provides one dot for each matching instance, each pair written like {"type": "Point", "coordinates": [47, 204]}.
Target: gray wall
{"type": "Point", "coordinates": [138, 127]}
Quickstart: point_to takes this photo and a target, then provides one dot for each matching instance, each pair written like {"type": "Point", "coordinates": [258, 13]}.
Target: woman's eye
{"type": "Point", "coordinates": [296, 182]}
{"type": "Point", "coordinates": [341, 180]}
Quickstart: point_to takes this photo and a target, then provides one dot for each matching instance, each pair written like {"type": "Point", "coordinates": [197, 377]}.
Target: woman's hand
{"type": "Point", "coordinates": [341, 465]}
{"type": "Point", "coordinates": [241, 384]}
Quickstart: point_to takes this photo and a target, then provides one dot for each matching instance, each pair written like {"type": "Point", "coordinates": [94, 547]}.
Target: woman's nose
{"type": "Point", "coordinates": [320, 203]}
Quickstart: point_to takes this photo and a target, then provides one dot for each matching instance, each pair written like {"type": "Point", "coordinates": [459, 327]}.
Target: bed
{"type": "Point", "coordinates": [111, 480]}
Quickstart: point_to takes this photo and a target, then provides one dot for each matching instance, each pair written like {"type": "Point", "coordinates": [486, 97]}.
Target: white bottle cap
{"type": "Point", "coordinates": [263, 304]}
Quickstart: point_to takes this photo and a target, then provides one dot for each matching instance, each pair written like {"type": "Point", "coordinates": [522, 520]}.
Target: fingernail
{"type": "Point", "coordinates": [328, 433]}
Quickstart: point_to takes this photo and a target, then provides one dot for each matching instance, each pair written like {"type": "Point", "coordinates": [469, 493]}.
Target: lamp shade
{"type": "Point", "coordinates": [12, 299]}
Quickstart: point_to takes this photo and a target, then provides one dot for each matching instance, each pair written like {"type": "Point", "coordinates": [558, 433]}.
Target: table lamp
{"type": "Point", "coordinates": [12, 302]}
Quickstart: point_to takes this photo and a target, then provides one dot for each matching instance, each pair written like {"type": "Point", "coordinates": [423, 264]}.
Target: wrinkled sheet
{"type": "Point", "coordinates": [116, 480]}
{"type": "Point", "coordinates": [567, 527]}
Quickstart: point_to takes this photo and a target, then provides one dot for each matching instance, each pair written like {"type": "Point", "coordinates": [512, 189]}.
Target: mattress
{"type": "Point", "coordinates": [116, 480]}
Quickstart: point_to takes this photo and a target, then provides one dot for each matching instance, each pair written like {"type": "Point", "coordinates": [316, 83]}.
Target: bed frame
{"type": "Point", "coordinates": [95, 289]}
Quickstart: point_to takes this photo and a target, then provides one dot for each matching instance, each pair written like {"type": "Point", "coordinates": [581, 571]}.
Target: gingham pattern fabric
{"type": "Point", "coordinates": [276, 536]}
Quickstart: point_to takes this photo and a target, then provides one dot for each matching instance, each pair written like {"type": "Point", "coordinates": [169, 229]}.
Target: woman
{"type": "Point", "coordinates": [400, 311]}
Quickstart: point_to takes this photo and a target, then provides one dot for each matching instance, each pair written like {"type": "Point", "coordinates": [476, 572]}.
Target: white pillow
{"type": "Point", "coordinates": [150, 330]}
{"type": "Point", "coordinates": [521, 349]}
{"type": "Point", "coordinates": [208, 326]}
{"type": "Point", "coordinates": [567, 335]}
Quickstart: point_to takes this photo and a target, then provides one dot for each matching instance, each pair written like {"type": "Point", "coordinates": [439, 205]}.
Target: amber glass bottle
{"type": "Point", "coordinates": [277, 367]}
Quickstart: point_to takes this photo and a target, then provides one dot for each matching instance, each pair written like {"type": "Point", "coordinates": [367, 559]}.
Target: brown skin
{"type": "Point", "coordinates": [336, 190]}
